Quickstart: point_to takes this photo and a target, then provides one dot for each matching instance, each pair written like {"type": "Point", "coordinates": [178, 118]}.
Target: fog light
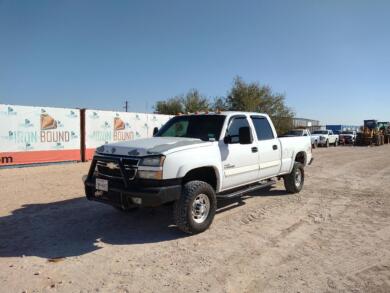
{"type": "Point", "coordinates": [147, 174]}
{"type": "Point", "coordinates": [136, 200]}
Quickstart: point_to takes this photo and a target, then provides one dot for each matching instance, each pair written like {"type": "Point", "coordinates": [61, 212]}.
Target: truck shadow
{"type": "Point", "coordinates": [77, 226]}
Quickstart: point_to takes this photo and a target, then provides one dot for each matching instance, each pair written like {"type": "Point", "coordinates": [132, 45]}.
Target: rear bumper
{"type": "Point", "coordinates": [142, 196]}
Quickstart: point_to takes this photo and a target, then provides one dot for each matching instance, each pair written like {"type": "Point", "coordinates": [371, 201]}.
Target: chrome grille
{"type": "Point", "coordinates": [111, 169]}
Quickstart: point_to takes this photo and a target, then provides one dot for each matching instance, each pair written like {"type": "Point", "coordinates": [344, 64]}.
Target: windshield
{"type": "Point", "coordinates": [295, 132]}
{"type": "Point", "coordinates": [204, 127]}
{"type": "Point", "coordinates": [320, 132]}
{"type": "Point", "coordinates": [347, 132]}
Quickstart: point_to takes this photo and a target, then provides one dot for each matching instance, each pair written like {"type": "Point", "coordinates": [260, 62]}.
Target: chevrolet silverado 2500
{"type": "Point", "coordinates": [193, 161]}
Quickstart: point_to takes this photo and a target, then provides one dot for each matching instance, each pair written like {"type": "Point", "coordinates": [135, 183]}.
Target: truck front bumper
{"type": "Point", "coordinates": [142, 196]}
{"type": "Point", "coordinates": [123, 190]}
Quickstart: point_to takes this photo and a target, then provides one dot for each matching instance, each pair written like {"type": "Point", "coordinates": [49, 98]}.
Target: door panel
{"type": "Point", "coordinates": [240, 162]}
{"type": "Point", "coordinates": [269, 147]}
{"type": "Point", "coordinates": [270, 157]}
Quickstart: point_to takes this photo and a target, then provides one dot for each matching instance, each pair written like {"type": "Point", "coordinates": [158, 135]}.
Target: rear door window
{"type": "Point", "coordinates": [263, 128]}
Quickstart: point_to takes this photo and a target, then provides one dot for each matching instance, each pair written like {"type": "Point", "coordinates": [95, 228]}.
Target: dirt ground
{"type": "Point", "coordinates": [333, 236]}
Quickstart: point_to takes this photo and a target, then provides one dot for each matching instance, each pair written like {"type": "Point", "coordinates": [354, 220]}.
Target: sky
{"type": "Point", "coordinates": [330, 58]}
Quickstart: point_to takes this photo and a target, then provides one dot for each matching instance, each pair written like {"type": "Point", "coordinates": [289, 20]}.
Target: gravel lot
{"type": "Point", "coordinates": [333, 236]}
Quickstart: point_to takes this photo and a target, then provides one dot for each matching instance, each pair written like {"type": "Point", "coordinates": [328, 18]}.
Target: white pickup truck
{"type": "Point", "coordinates": [326, 137]}
{"type": "Point", "coordinates": [303, 132]}
{"type": "Point", "coordinates": [192, 161]}
{"type": "Point", "coordinates": [347, 137]}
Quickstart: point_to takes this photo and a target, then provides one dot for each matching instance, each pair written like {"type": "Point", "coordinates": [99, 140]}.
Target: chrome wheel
{"type": "Point", "coordinates": [200, 208]}
{"type": "Point", "coordinates": [298, 178]}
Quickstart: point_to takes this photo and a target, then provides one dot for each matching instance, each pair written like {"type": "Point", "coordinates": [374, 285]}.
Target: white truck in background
{"type": "Point", "coordinates": [347, 137]}
{"type": "Point", "coordinates": [303, 132]}
{"type": "Point", "coordinates": [193, 161]}
{"type": "Point", "coordinates": [326, 138]}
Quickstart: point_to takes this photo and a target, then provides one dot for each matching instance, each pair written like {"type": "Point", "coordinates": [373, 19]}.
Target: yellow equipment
{"type": "Point", "coordinates": [371, 134]}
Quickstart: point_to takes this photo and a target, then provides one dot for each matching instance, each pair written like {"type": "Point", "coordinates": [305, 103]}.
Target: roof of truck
{"type": "Point", "coordinates": [227, 113]}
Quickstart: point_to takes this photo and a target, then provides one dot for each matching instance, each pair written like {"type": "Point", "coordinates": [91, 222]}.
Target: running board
{"type": "Point", "coordinates": [240, 192]}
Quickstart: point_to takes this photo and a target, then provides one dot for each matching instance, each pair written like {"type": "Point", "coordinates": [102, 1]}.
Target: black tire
{"type": "Point", "coordinates": [327, 144]}
{"type": "Point", "coordinates": [290, 180]}
{"type": "Point", "coordinates": [183, 207]}
{"type": "Point", "coordinates": [315, 144]}
{"type": "Point", "coordinates": [336, 143]}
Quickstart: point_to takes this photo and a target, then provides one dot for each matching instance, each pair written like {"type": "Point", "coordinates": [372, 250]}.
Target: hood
{"type": "Point", "coordinates": [150, 146]}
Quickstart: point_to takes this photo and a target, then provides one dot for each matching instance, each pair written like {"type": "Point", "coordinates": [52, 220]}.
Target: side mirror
{"type": "Point", "coordinates": [155, 130]}
{"type": "Point", "coordinates": [244, 134]}
{"type": "Point", "coordinates": [227, 139]}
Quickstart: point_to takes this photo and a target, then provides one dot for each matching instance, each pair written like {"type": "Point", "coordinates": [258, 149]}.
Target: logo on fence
{"type": "Point", "coordinates": [48, 122]}
{"type": "Point", "coordinates": [119, 124]}
{"type": "Point", "coordinates": [120, 132]}
{"type": "Point", "coordinates": [49, 132]}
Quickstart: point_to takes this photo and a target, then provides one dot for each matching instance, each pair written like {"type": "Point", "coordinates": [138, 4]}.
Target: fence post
{"type": "Point", "coordinates": [82, 135]}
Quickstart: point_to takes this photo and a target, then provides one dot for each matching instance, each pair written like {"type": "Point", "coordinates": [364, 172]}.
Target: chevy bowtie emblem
{"type": "Point", "coordinates": [112, 166]}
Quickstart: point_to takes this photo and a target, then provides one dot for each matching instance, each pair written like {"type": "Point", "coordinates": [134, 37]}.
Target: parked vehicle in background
{"type": "Point", "coordinates": [315, 140]}
{"type": "Point", "coordinates": [338, 128]}
{"type": "Point", "coordinates": [326, 137]}
{"type": "Point", "coordinates": [193, 161]}
{"type": "Point", "coordinates": [303, 132]}
{"type": "Point", "coordinates": [347, 137]}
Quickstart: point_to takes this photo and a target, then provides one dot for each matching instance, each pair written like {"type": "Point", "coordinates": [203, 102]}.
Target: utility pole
{"type": "Point", "coordinates": [126, 105]}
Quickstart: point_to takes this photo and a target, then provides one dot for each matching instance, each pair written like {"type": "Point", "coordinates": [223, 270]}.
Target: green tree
{"type": "Point", "coordinates": [251, 97]}
{"type": "Point", "coordinates": [219, 104]}
{"type": "Point", "coordinates": [254, 97]}
{"type": "Point", "coordinates": [193, 101]}
{"type": "Point", "coordinates": [171, 106]}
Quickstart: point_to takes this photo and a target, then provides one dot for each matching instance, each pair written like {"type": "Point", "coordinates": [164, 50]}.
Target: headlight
{"type": "Point", "coordinates": [152, 161]}
{"type": "Point", "coordinates": [151, 168]}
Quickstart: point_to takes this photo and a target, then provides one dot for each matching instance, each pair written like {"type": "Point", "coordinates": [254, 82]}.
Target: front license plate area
{"type": "Point", "coordinates": [101, 184]}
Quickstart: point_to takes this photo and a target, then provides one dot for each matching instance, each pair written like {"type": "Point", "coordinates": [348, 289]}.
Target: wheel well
{"type": "Point", "coordinates": [206, 174]}
{"type": "Point", "coordinates": [301, 158]}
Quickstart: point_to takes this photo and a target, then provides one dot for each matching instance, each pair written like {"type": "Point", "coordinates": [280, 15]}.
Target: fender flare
{"type": "Point", "coordinates": [184, 169]}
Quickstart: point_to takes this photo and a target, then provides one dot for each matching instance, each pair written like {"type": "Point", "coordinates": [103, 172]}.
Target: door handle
{"type": "Point", "coordinates": [274, 147]}
{"type": "Point", "coordinates": [254, 150]}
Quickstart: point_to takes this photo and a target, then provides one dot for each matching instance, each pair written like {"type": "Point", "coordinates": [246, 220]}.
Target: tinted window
{"type": "Point", "coordinates": [234, 126]}
{"type": "Point", "coordinates": [263, 129]}
{"type": "Point", "coordinates": [205, 127]}
{"type": "Point", "coordinates": [295, 132]}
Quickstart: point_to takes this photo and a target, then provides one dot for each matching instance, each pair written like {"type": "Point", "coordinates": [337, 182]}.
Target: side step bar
{"type": "Point", "coordinates": [244, 190]}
